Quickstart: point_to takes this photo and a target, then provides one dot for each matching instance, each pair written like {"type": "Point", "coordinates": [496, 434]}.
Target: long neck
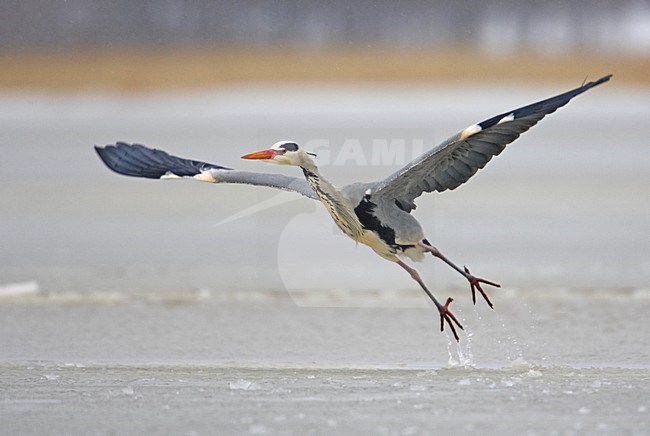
{"type": "Point", "coordinates": [337, 206]}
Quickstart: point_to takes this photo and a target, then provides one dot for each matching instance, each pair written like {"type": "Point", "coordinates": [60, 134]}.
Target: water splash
{"type": "Point", "coordinates": [452, 362]}
{"type": "Point", "coordinates": [460, 352]}
{"type": "Point", "coordinates": [465, 356]}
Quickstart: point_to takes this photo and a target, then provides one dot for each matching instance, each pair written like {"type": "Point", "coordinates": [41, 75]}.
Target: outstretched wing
{"type": "Point", "coordinates": [453, 162]}
{"type": "Point", "coordinates": [139, 161]}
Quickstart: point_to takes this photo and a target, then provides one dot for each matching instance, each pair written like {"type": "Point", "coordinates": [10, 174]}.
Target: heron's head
{"type": "Point", "coordinates": [281, 153]}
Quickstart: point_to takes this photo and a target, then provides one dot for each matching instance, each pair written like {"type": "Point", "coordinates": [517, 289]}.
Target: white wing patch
{"type": "Point", "coordinates": [169, 175]}
{"type": "Point", "coordinates": [471, 130]}
{"type": "Point", "coordinates": [507, 118]}
{"type": "Point", "coordinates": [205, 177]}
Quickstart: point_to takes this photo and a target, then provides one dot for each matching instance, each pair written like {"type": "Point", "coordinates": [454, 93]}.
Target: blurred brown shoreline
{"type": "Point", "coordinates": [141, 70]}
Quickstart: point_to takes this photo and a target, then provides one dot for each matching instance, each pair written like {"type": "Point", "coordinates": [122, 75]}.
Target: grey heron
{"type": "Point", "coordinates": [376, 214]}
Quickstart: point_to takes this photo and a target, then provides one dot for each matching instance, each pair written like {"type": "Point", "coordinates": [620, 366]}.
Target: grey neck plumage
{"type": "Point", "coordinates": [338, 206]}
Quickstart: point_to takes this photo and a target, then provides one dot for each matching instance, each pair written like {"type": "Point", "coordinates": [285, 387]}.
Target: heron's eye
{"type": "Point", "coordinates": [290, 146]}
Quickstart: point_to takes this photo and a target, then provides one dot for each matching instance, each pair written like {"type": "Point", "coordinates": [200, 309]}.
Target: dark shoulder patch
{"type": "Point", "coordinates": [365, 212]}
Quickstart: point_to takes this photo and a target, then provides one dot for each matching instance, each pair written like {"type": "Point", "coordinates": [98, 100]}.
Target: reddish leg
{"type": "Point", "coordinates": [475, 282]}
{"type": "Point", "coordinates": [445, 314]}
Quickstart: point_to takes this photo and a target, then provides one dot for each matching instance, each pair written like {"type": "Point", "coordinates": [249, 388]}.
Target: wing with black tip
{"type": "Point", "coordinates": [453, 162]}
{"type": "Point", "coordinates": [139, 161]}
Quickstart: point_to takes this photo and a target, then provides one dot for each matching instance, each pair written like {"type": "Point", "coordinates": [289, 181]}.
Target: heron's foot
{"type": "Point", "coordinates": [475, 283]}
{"type": "Point", "coordinates": [446, 315]}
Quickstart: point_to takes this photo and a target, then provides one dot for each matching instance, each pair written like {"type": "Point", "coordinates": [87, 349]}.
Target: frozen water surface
{"type": "Point", "coordinates": [197, 399]}
{"type": "Point", "coordinates": [534, 365]}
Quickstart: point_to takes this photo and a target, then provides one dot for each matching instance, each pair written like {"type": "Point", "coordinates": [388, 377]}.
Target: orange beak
{"type": "Point", "coordinates": [264, 154]}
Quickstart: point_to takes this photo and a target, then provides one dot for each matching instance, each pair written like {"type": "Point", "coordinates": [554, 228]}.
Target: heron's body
{"type": "Point", "coordinates": [389, 231]}
{"type": "Point", "coordinates": [358, 217]}
{"type": "Point", "coordinates": [376, 214]}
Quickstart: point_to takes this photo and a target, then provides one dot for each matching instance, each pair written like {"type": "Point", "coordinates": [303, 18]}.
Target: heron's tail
{"type": "Point", "coordinates": [139, 161]}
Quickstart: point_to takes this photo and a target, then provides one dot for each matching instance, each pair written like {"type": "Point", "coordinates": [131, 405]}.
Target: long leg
{"type": "Point", "coordinates": [445, 314]}
{"type": "Point", "coordinates": [474, 282]}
